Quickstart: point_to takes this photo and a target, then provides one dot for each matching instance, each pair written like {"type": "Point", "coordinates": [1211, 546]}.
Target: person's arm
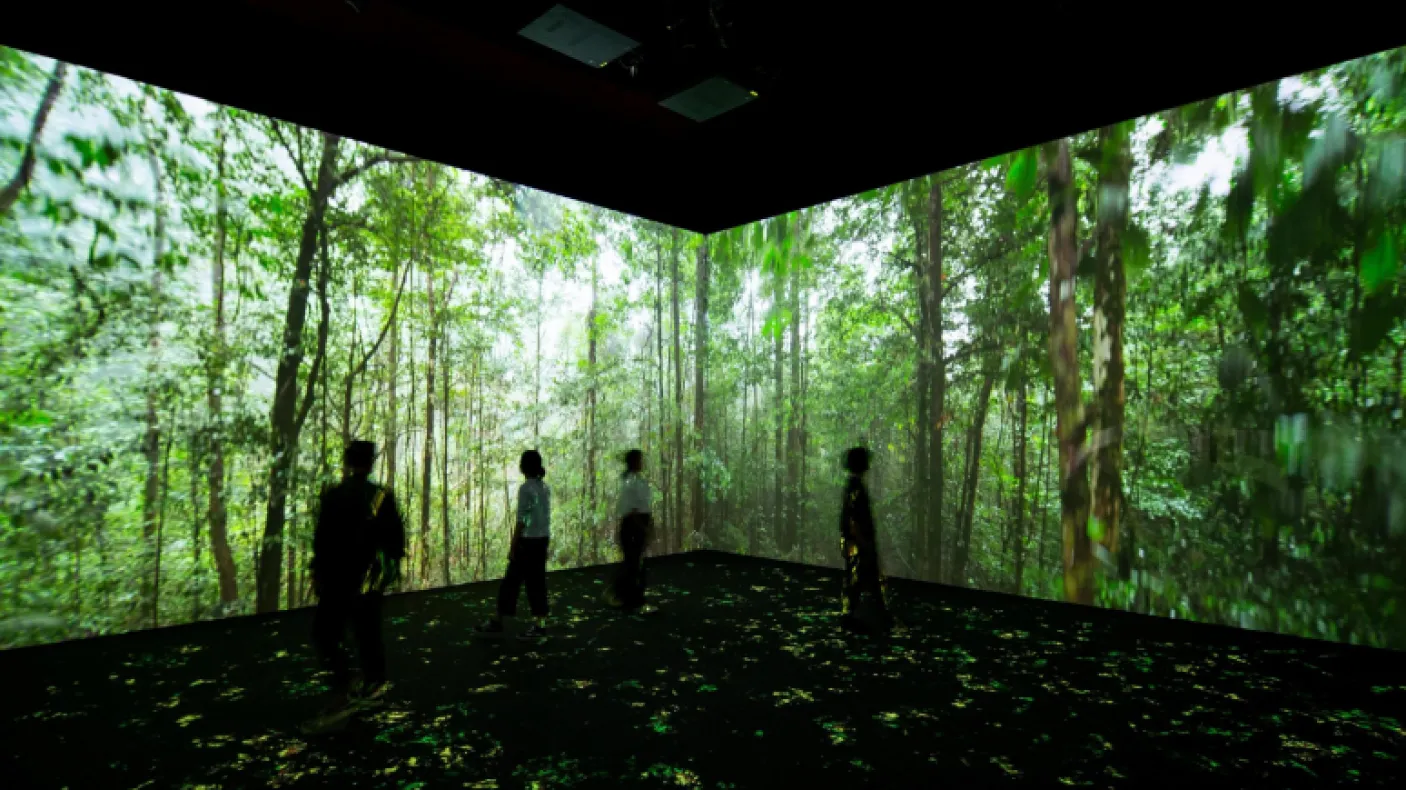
{"type": "Point", "coordinates": [524, 512]}
{"type": "Point", "coordinates": [320, 534]}
{"type": "Point", "coordinates": [390, 538]}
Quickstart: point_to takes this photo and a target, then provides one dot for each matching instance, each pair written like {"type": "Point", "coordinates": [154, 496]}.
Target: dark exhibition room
{"type": "Point", "coordinates": [701, 394]}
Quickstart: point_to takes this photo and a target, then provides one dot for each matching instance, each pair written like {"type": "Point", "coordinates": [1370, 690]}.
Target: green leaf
{"type": "Point", "coordinates": [995, 161]}
{"type": "Point", "coordinates": [1020, 179]}
{"type": "Point", "coordinates": [1378, 266]}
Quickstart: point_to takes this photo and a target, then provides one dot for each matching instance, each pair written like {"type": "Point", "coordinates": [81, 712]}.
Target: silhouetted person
{"type": "Point", "coordinates": [635, 527]}
{"type": "Point", "coordinates": [527, 555]}
{"type": "Point", "coordinates": [862, 579]}
{"type": "Point", "coordinates": [357, 548]}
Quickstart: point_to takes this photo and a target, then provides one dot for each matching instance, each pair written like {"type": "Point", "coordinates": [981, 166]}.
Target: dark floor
{"type": "Point", "coordinates": [740, 680]}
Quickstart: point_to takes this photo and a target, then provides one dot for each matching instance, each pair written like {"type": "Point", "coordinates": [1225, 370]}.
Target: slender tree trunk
{"type": "Point", "coordinates": [747, 455]}
{"type": "Point", "coordinates": [700, 368]}
{"type": "Point", "coordinates": [973, 478]}
{"type": "Point", "coordinates": [196, 586]}
{"type": "Point", "coordinates": [793, 415]}
{"type": "Point", "coordinates": [591, 518]}
{"type": "Point", "coordinates": [444, 453]}
{"type": "Point", "coordinates": [784, 539]}
{"type": "Point", "coordinates": [427, 452]}
{"type": "Point", "coordinates": [1110, 291]}
{"type": "Point", "coordinates": [151, 443]}
{"type": "Point", "coordinates": [392, 376]}
{"type": "Point", "coordinates": [935, 285]}
{"type": "Point", "coordinates": [1022, 410]}
{"type": "Point", "coordinates": [12, 190]}
{"type": "Point", "coordinates": [160, 533]}
{"type": "Point", "coordinates": [1040, 508]}
{"type": "Point", "coordinates": [537, 366]}
{"type": "Point", "coordinates": [284, 418]}
{"type": "Point", "coordinates": [660, 375]}
{"type": "Point", "coordinates": [677, 543]}
{"type": "Point", "coordinates": [1064, 345]}
{"type": "Point", "coordinates": [291, 585]}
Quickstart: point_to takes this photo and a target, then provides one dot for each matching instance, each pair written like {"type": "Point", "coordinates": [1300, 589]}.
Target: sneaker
{"type": "Point", "coordinates": [535, 633]}
{"type": "Point", "coordinates": [490, 628]}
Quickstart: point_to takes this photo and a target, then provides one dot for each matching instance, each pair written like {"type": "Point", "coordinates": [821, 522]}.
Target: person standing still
{"type": "Point", "coordinates": [863, 581]}
{"type": "Point", "coordinates": [357, 547]}
{"type": "Point", "coordinates": [635, 527]}
{"type": "Point", "coordinates": [527, 554]}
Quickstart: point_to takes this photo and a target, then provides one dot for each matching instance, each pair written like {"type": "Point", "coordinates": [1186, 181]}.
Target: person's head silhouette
{"type": "Point", "coordinates": [531, 465]}
{"type": "Point", "coordinates": [359, 457]}
{"type": "Point", "coordinates": [857, 461]}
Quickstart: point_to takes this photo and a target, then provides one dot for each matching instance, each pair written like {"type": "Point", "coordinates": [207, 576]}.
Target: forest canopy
{"type": "Point", "coordinates": [1157, 366]}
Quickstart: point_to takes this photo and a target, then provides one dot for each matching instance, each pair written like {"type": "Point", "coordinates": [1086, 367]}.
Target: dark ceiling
{"type": "Point", "coordinates": [850, 96]}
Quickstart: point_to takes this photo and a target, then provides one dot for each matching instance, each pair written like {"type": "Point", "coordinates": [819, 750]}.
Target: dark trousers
{"type": "Point", "coordinates": [362, 611]}
{"type": "Point", "coordinates": [528, 566]}
{"type": "Point", "coordinates": [629, 581]}
{"type": "Point", "coordinates": [863, 581]}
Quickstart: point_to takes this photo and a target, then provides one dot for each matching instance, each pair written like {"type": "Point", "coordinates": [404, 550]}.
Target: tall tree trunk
{"type": "Point", "coordinates": [935, 286]}
{"type": "Point", "coordinates": [660, 375]}
{"type": "Point", "coordinates": [392, 376]}
{"type": "Point", "coordinates": [160, 533]}
{"type": "Point", "coordinates": [677, 543]}
{"type": "Point", "coordinates": [793, 415]}
{"type": "Point", "coordinates": [1110, 290]}
{"type": "Point", "coordinates": [427, 452]}
{"type": "Point", "coordinates": [196, 586]}
{"type": "Point", "coordinates": [927, 543]}
{"type": "Point", "coordinates": [537, 365]}
{"type": "Point", "coordinates": [444, 451]}
{"type": "Point", "coordinates": [700, 368]}
{"type": "Point", "coordinates": [591, 518]}
{"type": "Point", "coordinates": [1022, 410]}
{"type": "Point", "coordinates": [284, 418]}
{"type": "Point", "coordinates": [217, 362]}
{"type": "Point", "coordinates": [970, 483]}
{"type": "Point", "coordinates": [482, 487]}
{"type": "Point", "coordinates": [748, 457]}
{"type": "Point", "coordinates": [291, 584]}
{"type": "Point", "coordinates": [12, 190]}
{"type": "Point", "coordinates": [1064, 361]}
{"type": "Point", "coordinates": [784, 540]}
{"type": "Point", "coordinates": [151, 442]}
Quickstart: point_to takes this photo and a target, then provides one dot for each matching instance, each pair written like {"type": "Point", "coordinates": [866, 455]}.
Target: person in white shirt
{"type": "Point", "coordinates": [635, 528]}
{"type": "Point", "coordinates": [527, 555]}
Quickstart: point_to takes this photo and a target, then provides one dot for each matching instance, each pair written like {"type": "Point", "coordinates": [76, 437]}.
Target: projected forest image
{"type": "Point", "coordinates": [162, 455]}
{"type": "Point", "coordinates": [1154, 367]}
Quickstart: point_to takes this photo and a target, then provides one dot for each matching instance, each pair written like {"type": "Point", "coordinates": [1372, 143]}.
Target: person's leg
{"type": "Point", "coordinates": [632, 540]}
{"type": "Point", "coordinates": [511, 585]}
{"type": "Point", "coordinates": [620, 585]}
{"type": "Point", "coordinates": [641, 573]}
{"type": "Point", "coordinates": [328, 625]}
{"type": "Point", "coordinates": [534, 574]}
{"type": "Point", "coordinates": [367, 621]}
{"type": "Point", "coordinates": [850, 583]}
